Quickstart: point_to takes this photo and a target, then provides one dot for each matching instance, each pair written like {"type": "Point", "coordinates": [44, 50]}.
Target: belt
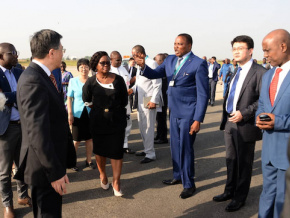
{"type": "Point", "coordinates": [14, 122]}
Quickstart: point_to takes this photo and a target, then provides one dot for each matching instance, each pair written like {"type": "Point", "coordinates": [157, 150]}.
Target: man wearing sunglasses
{"type": "Point", "coordinates": [10, 130]}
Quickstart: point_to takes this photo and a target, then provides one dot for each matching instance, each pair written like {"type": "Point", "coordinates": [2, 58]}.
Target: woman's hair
{"type": "Point", "coordinates": [96, 58]}
{"type": "Point", "coordinates": [83, 61]}
{"type": "Point", "coordinates": [64, 65]}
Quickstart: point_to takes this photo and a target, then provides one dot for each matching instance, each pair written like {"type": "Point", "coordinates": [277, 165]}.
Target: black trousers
{"type": "Point", "coordinates": [161, 119]}
{"type": "Point", "coordinates": [46, 202]}
{"type": "Point", "coordinates": [212, 88]}
{"type": "Point", "coordinates": [239, 161]}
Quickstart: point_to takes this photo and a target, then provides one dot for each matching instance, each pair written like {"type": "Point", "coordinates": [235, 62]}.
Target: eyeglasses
{"type": "Point", "coordinates": [103, 63]}
{"type": "Point", "coordinates": [238, 49]}
{"type": "Point", "coordinates": [14, 53]}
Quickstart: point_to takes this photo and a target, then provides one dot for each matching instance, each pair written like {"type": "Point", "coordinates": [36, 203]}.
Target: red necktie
{"type": "Point", "coordinates": [52, 78]}
{"type": "Point", "coordinates": [273, 86]}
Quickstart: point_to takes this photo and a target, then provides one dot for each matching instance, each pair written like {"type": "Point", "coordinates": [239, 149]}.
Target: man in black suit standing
{"type": "Point", "coordinates": [44, 126]}
{"type": "Point", "coordinates": [213, 78]}
{"type": "Point", "coordinates": [238, 123]}
{"type": "Point", "coordinates": [132, 70]}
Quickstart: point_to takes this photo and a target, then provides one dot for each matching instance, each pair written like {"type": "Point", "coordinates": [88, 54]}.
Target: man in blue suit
{"type": "Point", "coordinates": [187, 76]}
{"type": "Point", "coordinates": [274, 102]}
{"type": "Point", "coordinates": [213, 78]}
{"type": "Point", "coordinates": [10, 136]}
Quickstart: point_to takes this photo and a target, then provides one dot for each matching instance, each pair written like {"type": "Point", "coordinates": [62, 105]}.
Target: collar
{"type": "Point", "coordinates": [3, 69]}
{"type": "Point", "coordinates": [46, 70]}
{"type": "Point", "coordinates": [247, 66]}
{"type": "Point", "coordinates": [184, 56]}
{"type": "Point", "coordinates": [286, 66]}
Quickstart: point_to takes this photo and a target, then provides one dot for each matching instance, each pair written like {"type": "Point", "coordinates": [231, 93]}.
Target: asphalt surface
{"type": "Point", "coordinates": [145, 195]}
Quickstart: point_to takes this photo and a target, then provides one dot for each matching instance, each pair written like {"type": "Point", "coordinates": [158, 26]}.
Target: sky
{"type": "Point", "coordinates": [88, 26]}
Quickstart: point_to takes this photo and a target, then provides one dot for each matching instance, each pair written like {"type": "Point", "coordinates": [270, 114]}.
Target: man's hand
{"type": "Point", "coordinates": [140, 59]}
{"type": "Point", "coordinates": [195, 127]}
{"type": "Point", "coordinates": [130, 91]}
{"type": "Point", "coordinates": [151, 105]}
{"type": "Point", "coordinates": [70, 119]}
{"type": "Point", "coordinates": [132, 80]}
{"type": "Point", "coordinates": [266, 125]}
{"type": "Point", "coordinates": [236, 117]}
{"type": "Point", "coordinates": [59, 185]}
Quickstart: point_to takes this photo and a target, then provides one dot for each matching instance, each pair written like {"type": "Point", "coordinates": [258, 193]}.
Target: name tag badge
{"type": "Point", "coordinates": [171, 83]}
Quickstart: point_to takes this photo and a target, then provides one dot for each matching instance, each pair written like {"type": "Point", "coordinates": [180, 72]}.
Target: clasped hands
{"type": "Point", "coordinates": [265, 125]}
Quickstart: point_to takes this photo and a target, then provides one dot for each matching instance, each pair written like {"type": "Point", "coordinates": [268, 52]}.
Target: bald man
{"type": "Point", "coordinates": [10, 131]}
{"type": "Point", "coordinates": [274, 102]}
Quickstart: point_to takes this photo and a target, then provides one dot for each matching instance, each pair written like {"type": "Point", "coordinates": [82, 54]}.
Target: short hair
{"type": "Point", "coordinates": [96, 58]}
{"type": "Point", "coordinates": [64, 65]}
{"type": "Point", "coordinates": [213, 57]}
{"type": "Point", "coordinates": [162, 55]}
{"type": "Point", "coordinates": [42, 41]}
{"type": "Point", "coordinates": [83, 61]}
{"type": "Point", "coordinates": [131, 59]}
{"type": "Point", "coordinates": [139, 48]}
{"type": "Point", "coordinates": [187, 37]}
{"type": "Point", "coordinates": [243, 38]}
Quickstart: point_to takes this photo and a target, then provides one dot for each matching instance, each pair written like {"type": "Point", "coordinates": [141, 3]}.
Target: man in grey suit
{"type": "Point", "coordinates": [10, 130]}
{"type": "Point", "coordinates": [238, 123]}
{"type": "Point", "coordinates": [147, 113]}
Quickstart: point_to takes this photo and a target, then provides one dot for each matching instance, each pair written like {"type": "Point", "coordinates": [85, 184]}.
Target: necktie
{"type": "Point", "coordinates": [231, 97]}
{"type": "Point", "coordinates": [178, 62]}
{"type": "Point", "coordinates": [273, 86]}
{"type": "Point", "coordinates": [52, 78]}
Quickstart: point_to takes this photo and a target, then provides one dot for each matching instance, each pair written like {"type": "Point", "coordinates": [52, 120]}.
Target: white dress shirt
{"type": "Point", "coordinates": [285, 69]}
{"type": "Point", "coordinates": [243, 73]}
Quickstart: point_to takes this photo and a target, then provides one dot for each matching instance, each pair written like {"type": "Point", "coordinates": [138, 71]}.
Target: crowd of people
{"type": "Point", "coordinates": [47, 112]}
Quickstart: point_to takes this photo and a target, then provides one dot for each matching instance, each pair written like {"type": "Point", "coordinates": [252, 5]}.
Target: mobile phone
{"type": "Point", "coordinates": [264, 117]}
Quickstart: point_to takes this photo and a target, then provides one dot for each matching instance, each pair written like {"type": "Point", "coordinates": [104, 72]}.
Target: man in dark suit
{"type": "Point", "coordinates": [187, 75]}
{"type": "Point", "coordinates": [10, 136]}
{"type": "Point", "coordinates": [238, 123]}
{"type": "Point", "coordinates": [132, 70]}
{"type": "Point", "coordinates": [274, 102]}
{"type": "Point", "coordinates": [44, 126]}
{"type": "Point", "coordinates": [213, 78]}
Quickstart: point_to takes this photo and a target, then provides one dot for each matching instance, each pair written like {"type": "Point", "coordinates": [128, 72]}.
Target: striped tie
{"type": "Point", "coordinates": [273, 86]}
{"type": "Point", "coordinates": [52, 78]}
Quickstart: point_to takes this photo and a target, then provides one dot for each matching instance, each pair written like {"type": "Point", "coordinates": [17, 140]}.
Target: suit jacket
{"type": "Point", "coordinates": [275, 141]}
{"type": "Point", "coordinates": [216, 67]}
{"type": "Point", "coordinates": [44, 129]}
{"type": "Point", "coordinates": [188, 97]}
{"type": "Point", "coordinates": [148, 87]}
{"type": "Point", "coordinates": [247, 104]}
{"type": "Point", "coordinates": [134, 71]}
{"type": "Point", "coordinates": [10, 96]}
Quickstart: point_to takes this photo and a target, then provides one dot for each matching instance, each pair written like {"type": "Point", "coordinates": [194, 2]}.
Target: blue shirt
{"type": "Point", "coordinates": [75, 91]}
{"type": "Point", "coordinates": [13, 85]}
{"type": "Point", "coordinates": [224, 70]}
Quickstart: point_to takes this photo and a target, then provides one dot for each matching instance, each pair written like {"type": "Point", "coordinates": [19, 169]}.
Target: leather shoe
{"type": "Point", "coordinates": [159, 141]}
{"type": "Point", "coordinates": [187, 192]}
{"type": "Point", "coordinates": [234, 206]}
{"type": "Point", "coordinates": [222, 197]}
{"type": "Point", "coordinates": [140, 153]}
{"type": "Point", "coordinates": [171, 182]}
{"type": "Point", "coordinates": [128, 151]}
{"type": "Point", "coordinates": [25, 201]}
{"type": "Point", "coordinates": [146, 160]}
{"type": "Point", "coordinates": [9, 212]}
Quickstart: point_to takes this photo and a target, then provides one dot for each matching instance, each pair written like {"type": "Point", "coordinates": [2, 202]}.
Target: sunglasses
{"type": "Point", "coordinates": [103, 63]}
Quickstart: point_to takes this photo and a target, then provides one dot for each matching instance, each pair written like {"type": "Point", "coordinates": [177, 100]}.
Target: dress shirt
{"type": "Point", "coordinates": [46, 70]}
{"type": "Point", "coordinates": [285, 69]}
{"type": "Point", "coordinates": [243, 73]}
{"type": "Point", "coordinates": [210, 71]}
{"type": "Point", "coordinates": [183, 58]}
{"type": "Point", "coordinates": [13, 86]}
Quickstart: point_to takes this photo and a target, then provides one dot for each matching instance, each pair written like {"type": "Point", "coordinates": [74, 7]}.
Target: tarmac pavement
{"type": "Point", "coordinates": [144, 193]}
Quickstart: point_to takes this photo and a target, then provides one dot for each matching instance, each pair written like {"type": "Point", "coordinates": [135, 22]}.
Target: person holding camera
{"type": "Point", "coordinates": [238, 123]}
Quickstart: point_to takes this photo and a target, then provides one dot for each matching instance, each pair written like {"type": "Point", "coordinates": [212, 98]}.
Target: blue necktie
{"type": "Point", "coordinates": [231, 97]}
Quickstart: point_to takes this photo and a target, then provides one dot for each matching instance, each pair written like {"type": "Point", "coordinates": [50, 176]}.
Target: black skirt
{"type": "Point", "coordinates": [81, 127]}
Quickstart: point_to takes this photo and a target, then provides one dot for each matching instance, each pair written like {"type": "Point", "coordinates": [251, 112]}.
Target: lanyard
{"type": "Point", "coordinates": [180, 65]}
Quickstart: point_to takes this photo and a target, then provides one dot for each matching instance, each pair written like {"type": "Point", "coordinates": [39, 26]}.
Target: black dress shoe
{"type": "Point", "coordinates": [222, 197]}
{"type": "Point", "coordinates": [187, 192]}
{"type": "Point", "coordinates": [156, 138]}
{"type": "Point", "coordinates": [140, 153]}
{"type": "Point", "coordinates": [171, 182]}
{"type": "Point", "coordinates": [159, 141]}
{"type": "Point", "coordinates": [128, 151]}
{"type": "Point", "coordinates": [234, 206]}
{"type": "Point", "coordinates": [90, 165]}
{"type": "Point", "coordinates": [146, 160]}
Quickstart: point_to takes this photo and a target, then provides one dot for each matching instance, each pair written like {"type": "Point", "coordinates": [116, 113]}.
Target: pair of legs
{"type": "Point", "coordinates": [212, 88]}
{"type": "Point", "coordinates": [117, 169]}
{"type": "Point", "coordinates": [89, 149]}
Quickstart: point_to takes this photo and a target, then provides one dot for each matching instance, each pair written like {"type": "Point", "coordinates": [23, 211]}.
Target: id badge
{"type": "Point", "coordinates": [171, 83]}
